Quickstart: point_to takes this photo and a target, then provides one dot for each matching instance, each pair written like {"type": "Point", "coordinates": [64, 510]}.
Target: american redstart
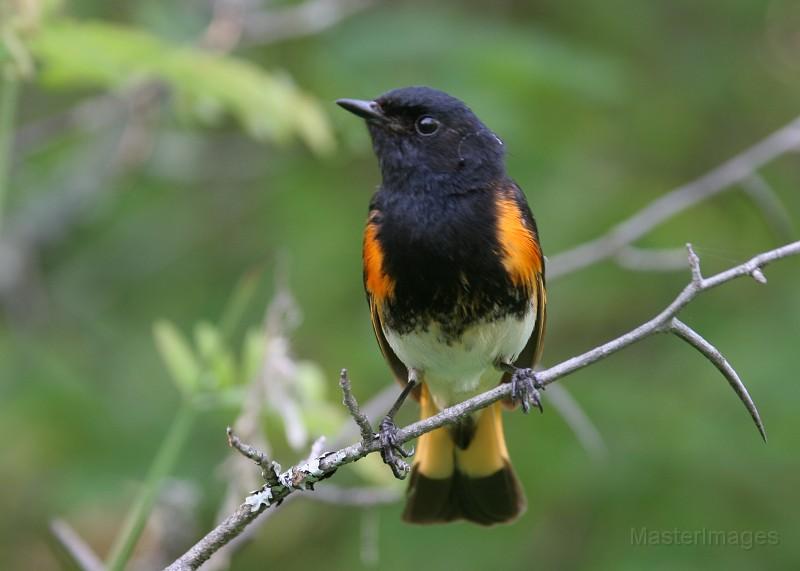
{"type": "Point", "coordinates": [454, 276]}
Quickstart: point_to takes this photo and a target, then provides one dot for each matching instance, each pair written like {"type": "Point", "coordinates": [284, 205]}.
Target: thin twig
{"type": "Point", "coordinates": [768, 201]}
{"type": "Point", "coordinates": [694, 266]}
{"type": "Point", "coordinates": [651, 260]}
{"type": "Point", "coordinates": [358, 497]}
{"type": "Point", "coordinates": [162, 465]}
{"type": "Point", "coordinates": [711, 353]}
{"type": "Point", "coordinates": [79, 553]}
{"type": "Point", "coordinates": [305, 19]}
{"type": "Point", "coordinates": [725, 176]}
{"type": "Point", "coordinates": [369, 552]}
{"type": "Point", "coordinates": [225, 28]}
{"type": "Point", "coordinates": [361, 420]}
{"type": "Point", "coordinates": [90, 114]}
{"type": "Point", "coordinates": [268, 467]}
{"type": "Point", "coordinates": [300, 476]}
{"type": "Point", "coordinates": [578, 421]}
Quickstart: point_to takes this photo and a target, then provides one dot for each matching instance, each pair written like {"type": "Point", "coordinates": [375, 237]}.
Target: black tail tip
{"type": "Point", "coordinates": [488, 500]}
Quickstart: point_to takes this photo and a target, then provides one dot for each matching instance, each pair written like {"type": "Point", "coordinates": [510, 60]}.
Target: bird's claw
{"type": "Point", "coordinates": [392, 452]}
{"type": "Point", "coordinates": [525, 389]}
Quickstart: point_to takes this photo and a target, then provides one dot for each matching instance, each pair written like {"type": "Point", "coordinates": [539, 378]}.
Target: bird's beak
{"type": "Point", "coordinates": [369, 110]}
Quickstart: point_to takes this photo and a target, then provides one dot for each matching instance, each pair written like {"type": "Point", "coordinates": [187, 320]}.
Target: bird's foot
{"type": "Point", "coordinates": [525, 387]}
{"type": "Point", "coordinates": [392, 452]}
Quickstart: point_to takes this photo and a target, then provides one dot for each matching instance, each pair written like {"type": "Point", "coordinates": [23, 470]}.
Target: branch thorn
{"type": "Point", "coordinates": [713, 354]}
{"type": "Point", "coordinates": [694, 264]}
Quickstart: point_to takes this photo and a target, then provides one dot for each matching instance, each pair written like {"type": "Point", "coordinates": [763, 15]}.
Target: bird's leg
{"type": "Point", "coordinates": [525, 387]}
{"type": "Point", "coordinates": [392, 452]}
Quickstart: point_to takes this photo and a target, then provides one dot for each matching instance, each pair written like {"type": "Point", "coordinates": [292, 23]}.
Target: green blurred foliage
{"type": "Point", "coordinates": [602, 106]}
{"type": "Point", "coordinates": [205, 86]}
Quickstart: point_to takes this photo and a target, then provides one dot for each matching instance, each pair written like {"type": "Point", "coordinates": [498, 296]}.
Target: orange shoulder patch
{"type": "Point", "coordinates": [378, 284]}
{"type": "Point", "coordinates": [522, 256]}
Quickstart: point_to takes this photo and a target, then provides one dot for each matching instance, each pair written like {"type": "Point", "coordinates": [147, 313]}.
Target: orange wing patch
{"type": "Point", "coordinates": [379, 285]}
{"type": "Point", "coordinates": [522, 257]}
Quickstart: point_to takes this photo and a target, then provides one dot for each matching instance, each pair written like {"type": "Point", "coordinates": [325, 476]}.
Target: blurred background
{"type": "Point", "coordinates": [180, 234]}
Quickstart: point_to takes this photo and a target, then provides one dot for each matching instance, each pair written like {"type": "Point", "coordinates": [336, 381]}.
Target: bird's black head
{"type": "Point", "coordinates": [428, 140]}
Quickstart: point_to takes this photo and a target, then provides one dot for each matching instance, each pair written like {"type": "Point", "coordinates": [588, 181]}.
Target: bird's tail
{"type": "Point", "coordinates": [463, 472]}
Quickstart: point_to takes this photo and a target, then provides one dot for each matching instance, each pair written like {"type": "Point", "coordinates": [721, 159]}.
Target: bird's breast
{"type": "Point", "coordinates": [458, 368]}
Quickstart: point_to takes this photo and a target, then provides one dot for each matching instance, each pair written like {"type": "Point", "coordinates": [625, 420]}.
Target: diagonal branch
{"type": "Point", "coordinates": [303, 475]}
{"type": "Point", "coordinates": [650, 259]}
{"type": "Point", "coordinates": [304, 19]}
{"type": "Point", "coordinates": [736, 170]}
{"type": "Point", "coordinates": [78, 552]}
{"type": "Point", "coordinates": [578, 421]}
{"type": "Point", "coordinates": [770, 204]}
{"type": "Point", "coordinates": [357, 497]}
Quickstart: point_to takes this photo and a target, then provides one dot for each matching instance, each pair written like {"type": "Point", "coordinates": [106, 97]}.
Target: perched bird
{"type": "Point", "coordinates": [454, 276]}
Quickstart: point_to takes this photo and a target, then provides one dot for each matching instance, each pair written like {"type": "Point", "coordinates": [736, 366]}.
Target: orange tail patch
{"type": "Point", "coordinates": [475, 483]}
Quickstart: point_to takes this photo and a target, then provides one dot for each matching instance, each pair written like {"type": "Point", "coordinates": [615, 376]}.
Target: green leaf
{"type": "Point", "coordinates": [207, 340]}
{"type": "Point", "coordinates": [177, 356]}
{"type": "Point", "coordinates": [219, 364]}
{"type": "Point", "coordinates": [310, 382]}
{"type": "Point", "coordinates": [320, 416]}
{"type": "Point", "coordinates": [206, 87]}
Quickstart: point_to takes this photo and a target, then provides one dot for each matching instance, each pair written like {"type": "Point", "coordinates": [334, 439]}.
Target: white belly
{"type": "Point", "coordinates": [465, 367]}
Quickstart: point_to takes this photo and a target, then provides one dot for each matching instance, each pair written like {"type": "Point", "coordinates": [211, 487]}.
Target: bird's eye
{"type": "Point", "coordinates": [427, 125]}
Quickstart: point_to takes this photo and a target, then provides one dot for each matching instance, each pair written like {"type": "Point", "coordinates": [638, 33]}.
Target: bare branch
{"type": "Point", "coordinates": [89, 115]}
{"type": "Point", "coordinates": [711, 353]}
{"type": "Point", "coordinates": [767, 200]}
{"type": "Point", "coordinates": [298, 20]}
{"type": "Point", "coordinates": [753, 266]}
{"type": "Point", "coordinates": [650, 260]}
{"type": "Point", "coordinates": [370, 555]}
{"type": "Point", "coordinates": [79, 553]}
{"type": "Point", "coordinates": [359, 497]}
{"type": "Point", "coordinates": [225, 28]}
{"type": "Point", "coordinates": [268, 467]}
{"type": "Point", "coordinates": [578, 421]}
{"type": "Point", "coordinates": [724, 177]}
{"type": "Point", "coordinates": [350, 402]}
{"type": "Point", "coordinates": [303, 476]}
{"type": "Point", "coordinates": [232, 526]}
